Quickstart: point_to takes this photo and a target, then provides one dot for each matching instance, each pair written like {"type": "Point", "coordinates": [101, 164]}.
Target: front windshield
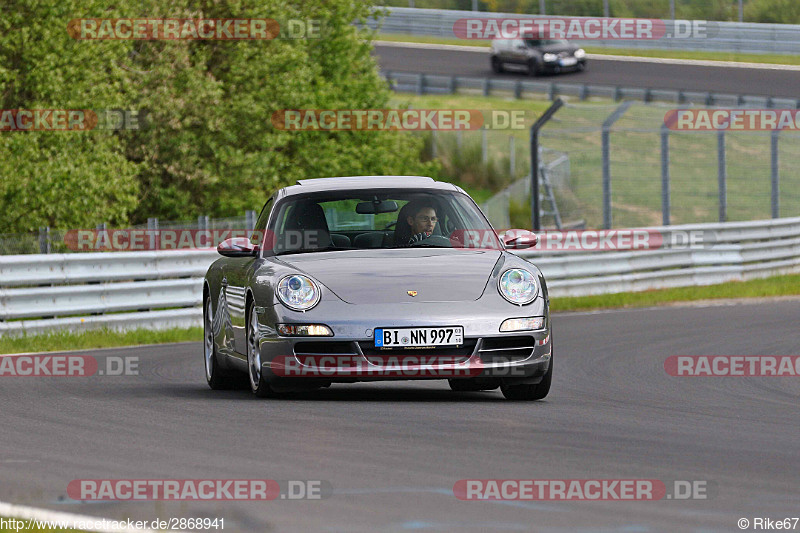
{"type": "Point", "coordinates": [545, 42]}
{"type": "Point", "coordinates": [374, 219]}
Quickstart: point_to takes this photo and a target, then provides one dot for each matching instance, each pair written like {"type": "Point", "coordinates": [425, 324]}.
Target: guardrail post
{"type": "Point", "coordinates": [44, 240]}
{"type": "Point", "coordinates": [665, 207]}
{"type": "Point", "coordinates": [775, 162]}
{"type": "Point", "coordinates": [202, 222]}
{"type": "Point", "coordinates": [551, 91]}
{"type": "Point", "coordinates": [518, 90]}
{"type": "Point", "coordinates": [485, 86]}
{"type": "Point", "coordinates": [584, 92]}
{"type": "Point", "coordinates": [536, 222]}
{"type": "Point", "coordinates": [421, 84]}
{"type": "Point", "coordinates": [617, 93]}
{"type": "Point", "coordinates": [606, 140]}
{"type": "Point", "coordinates": [451, 85]}
{"type": "Point", "coordinates": [722, 176]}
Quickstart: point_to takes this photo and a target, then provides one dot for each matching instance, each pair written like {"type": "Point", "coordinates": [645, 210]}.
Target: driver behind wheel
{"type": "Point", "coordinates": [422, 220]}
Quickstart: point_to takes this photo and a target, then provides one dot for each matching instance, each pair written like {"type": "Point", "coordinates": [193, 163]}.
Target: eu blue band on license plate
{"type": "Point", "coordinates": [378, 337]}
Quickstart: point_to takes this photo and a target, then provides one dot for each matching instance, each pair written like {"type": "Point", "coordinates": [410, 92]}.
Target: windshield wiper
{"type": "Point", "coordinates": [311, 250]}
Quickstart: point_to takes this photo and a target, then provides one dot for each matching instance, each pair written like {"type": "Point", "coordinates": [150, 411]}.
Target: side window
{"type": "Point", "coordinates": [257, 237]}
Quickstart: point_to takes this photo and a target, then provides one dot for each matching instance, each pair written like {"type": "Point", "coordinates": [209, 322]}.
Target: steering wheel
{"type": "Point", "coordinates": [434, 240]}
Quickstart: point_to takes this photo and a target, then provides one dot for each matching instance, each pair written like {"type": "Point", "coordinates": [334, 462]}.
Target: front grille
{"type": "Point", "coordinates": [506, 349]}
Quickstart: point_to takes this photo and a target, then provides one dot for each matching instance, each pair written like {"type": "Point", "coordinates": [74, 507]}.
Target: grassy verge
{"type": "Point", "coordinates": [757, 288]}
{"type": "Point", "coordinates": [633, 52]}
{"type": "Point", "coordinates": [64, 340]}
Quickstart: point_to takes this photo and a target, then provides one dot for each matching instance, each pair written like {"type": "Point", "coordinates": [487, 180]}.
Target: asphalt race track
{"type": "Point", "coordinates": [727, 80]}
{"type": "Point", "coordinates": [393, 451]}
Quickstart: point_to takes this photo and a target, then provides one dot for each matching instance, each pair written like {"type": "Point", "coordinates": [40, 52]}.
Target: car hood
{"type": "Point", "coordinates": [386, 276]}
{"type": "Point", "coordinates": [558, 48]}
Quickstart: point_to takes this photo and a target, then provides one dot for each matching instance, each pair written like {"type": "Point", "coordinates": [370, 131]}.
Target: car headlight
{"type": "Point", "coordinates": [549, 58]}
{"type": "Point", "coordinates": [518, 286]}
{"type": "Point", "coordinates": [580, 53]}
{"type": "Point", "coordinates": [298, 292]}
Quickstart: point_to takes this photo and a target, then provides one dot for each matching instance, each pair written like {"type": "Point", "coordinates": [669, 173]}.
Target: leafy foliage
{"type": "Point", "coordinates": [209, 147]}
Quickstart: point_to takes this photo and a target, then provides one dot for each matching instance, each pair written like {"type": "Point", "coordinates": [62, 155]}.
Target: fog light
{"type": "Point", "coordinates": [304, 330]}
{"type": "Point", "coordinates": [522, 324]}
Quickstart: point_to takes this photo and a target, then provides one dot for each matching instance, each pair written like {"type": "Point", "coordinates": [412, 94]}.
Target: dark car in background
{"type": "Point", "coordinates": [538, 55]}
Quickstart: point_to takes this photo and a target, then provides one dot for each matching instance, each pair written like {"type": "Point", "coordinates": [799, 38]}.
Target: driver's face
{"type": "Point", "coordinates": [423, 221]}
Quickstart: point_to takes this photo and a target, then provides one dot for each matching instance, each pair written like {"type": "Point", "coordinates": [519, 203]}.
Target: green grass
{"type": "Point", "coordinates": [634, 52]}
{"type": "Point", "coordinates": [64, 340]}
{"type": "Point", "coordinates": [635, 162]}
{"type": "Point", "coordinates": [758, 288]}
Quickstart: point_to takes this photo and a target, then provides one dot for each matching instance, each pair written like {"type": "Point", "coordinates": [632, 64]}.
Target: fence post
{"type": "Point", "coordinates": [152, 232]}
{"type": "Point", "coordinates": [665, 207]}
{"type": "Point", "coordinates": [612, 118]}
{"type": "Point", "coordinates": [44, 240]}
{"type": "Point", "coordinates": [776, 198]}
{"type": "Point", "coordinates": [202, 222]}
{"type": "Point", "coordinates": [250, 220]}
{"type": "Point", "coordinates": [512, 156]}
{"type": "Point", "coordinates": [722, 176]}
{"type": "Point", "coordinates": [484, 146]}
{"type": "Point", "coordinates": [536, 222]}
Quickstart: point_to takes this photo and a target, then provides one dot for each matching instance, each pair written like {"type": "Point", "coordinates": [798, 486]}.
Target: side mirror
{"type": "Point", "coordinates": [237, 247]}
{"type": "Point", "coordinates": [520, 239]}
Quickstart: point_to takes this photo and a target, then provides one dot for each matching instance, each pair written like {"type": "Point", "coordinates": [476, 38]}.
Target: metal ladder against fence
{"type": "Point", "coordinates": [549, 197]}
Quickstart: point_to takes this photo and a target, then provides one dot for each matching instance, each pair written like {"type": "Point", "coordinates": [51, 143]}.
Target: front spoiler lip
{"type": "Point", "coordinates": [472, 368]}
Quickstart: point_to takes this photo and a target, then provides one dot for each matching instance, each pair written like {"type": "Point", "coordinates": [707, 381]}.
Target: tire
{"type": "Point", "coordinates": [497, 65]}
{"type": "Point", "coordinates": [258, 384]}
{"type": "Point", "coordinates": [531, 392]}
{"type": "Point", "coordinates": [533, 68]}
{"type": "Point", "coordinates": [217, 378]}
{"type": "Point", "coordinates": [473, 384]}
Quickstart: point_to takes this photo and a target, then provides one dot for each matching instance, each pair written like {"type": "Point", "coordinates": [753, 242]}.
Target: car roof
{"type": "Point", "coordinates": [366, 182]}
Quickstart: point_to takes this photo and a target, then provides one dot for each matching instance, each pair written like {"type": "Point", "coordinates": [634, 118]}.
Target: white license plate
{"type": "Point", "coordinates": [568, 62]}
{"type": "Point", "coordinates": [408, 337]}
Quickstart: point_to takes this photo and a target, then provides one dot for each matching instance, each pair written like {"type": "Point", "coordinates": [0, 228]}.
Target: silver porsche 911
{"type": "Point", "coordinates": [376, 278]}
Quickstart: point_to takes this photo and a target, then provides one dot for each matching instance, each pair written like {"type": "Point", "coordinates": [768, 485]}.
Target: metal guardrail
{"type": "Point", "coordinates": [157, 290]}
{"type": "Point", "coordinates": [745, 37]}
{"type": "Point", "coordinates": [422, 83]}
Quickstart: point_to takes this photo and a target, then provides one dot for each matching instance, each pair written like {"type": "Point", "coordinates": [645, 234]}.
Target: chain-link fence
{"type": "Point", "coordinates": [626, 169]}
